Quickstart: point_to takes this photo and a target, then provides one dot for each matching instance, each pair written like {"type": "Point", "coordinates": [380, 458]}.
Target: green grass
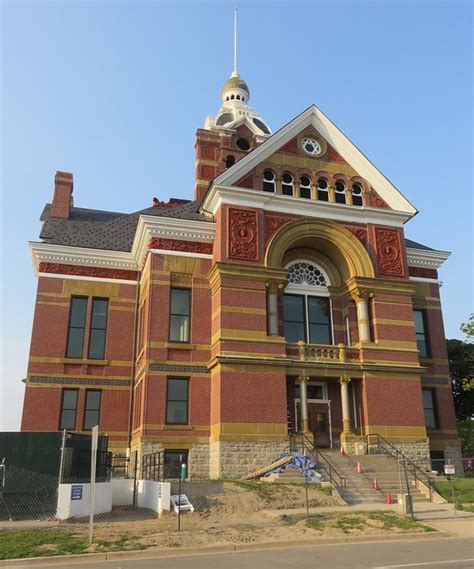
{"type": "Point", "coordinates": [463, 490]}
{"type": "Point", "coordinates": [39, 543]}
{"type": "Point", "coordinates": [123, 543]}
{"type": "Point", "coordinates": [349, 522]}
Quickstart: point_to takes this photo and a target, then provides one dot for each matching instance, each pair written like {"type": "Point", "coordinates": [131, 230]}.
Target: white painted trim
{"type": "Point", "coordinates": [66, 255]}
{"type": "Point", "coordinates": [426, 258]}
{"type": "Point", "coordinates": [267, 201]}
{"type": "Point", "coordinates": [180, 253]}
{"type": "Point", "coordinates": [425, 280]}
{"type": "Point", "coordinates": [83, 278]}
{"type": "Point", "coordinates": [328, 130]}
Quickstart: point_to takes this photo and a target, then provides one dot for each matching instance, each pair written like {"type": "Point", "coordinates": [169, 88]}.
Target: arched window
{"type": "Point", "coordinates": [269, 181]}
{"type": "Point", "coordinates": [305, 187]}
{"type": "Point", "coordinates": [357, 198]}
{"type": "Point", "coordinates": [323, 190]}
{"type": "Point", "coordinates": [340, 193]}
{"type": "Point", "coordinates": [306, 304]}
{"type": "Point", "coordinates": [287, 186]}
{"type": "Point", "coordinates": [229, 161]}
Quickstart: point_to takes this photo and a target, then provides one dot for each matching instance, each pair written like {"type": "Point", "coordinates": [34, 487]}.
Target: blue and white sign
{"type": "Point", "coordinates": [76, 492]}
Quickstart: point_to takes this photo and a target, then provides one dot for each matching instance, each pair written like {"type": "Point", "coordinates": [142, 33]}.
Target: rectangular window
{"type": "Point", "coordinates": [347, 328]}
{"type": "Point", "coordinates": [98, 328]}
{"type": "Point", "coordinates": [421, 336]}
{"type": "Point", "coordinates": [177, 401]}
{"type": "Point", "coordinates": [180, 315]}
{"type": "Point", "coordinates": [307, 318]}
{"type": "Point", "coordinates": [77, 326]}
{"type": "Point", "coordinates": [294, 317]}
{"type": "Point", "coordinates": [92, 409]}
{"type": "Point", "coordinates": [68, 409]}
{"type": "Point", "coordinates": [431, 419]}
{"type": "Point", "coordinates": [173, 460]}
{"type": "Point", "coordinates": [319, 320]}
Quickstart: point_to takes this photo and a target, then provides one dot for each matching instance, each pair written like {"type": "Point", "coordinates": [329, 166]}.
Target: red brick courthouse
{"type": "Point", "coordinates": [285, 296]}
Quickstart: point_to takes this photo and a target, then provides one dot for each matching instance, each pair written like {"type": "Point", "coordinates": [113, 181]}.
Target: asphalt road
{"type": "Point", "coordinates": [442, 553]}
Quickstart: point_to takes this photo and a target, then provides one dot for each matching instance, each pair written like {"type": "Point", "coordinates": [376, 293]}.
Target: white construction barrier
{"type": "Point", "coordinates": [122, 491]}
{"type": "Point", "coordinates": [154, 495]}
{"type": "Point", "coordinates": [74, 500]}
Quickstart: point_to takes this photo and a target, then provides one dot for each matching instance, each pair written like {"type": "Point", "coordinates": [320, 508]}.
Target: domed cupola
{"type": "Point", "coordinates": [235, 109]}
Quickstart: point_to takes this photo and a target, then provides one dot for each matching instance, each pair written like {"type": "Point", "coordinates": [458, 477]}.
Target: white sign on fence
{"type": "Point", "coordinates": [449, 469]}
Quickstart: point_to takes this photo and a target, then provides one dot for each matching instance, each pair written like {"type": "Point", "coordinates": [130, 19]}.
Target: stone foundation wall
{"type": "Point", "coordinates": [417, 451]}
{"type": "Point", "coordinates": [198, 462]}
{"type": "Point", "coordinates": [234, 459]}
{"type": "Point", "coordinates": [452, 453]}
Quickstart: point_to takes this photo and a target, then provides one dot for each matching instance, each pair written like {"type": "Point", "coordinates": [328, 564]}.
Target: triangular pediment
{"type": "Point", "coordinates": [336, 149]}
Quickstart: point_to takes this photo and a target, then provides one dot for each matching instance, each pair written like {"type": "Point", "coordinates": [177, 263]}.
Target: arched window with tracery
{"type": "Point", "coordinates": [306, 304]}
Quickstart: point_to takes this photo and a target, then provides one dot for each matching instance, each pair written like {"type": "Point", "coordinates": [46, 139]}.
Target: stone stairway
{"type": "Point", "coordinates": [359, 487]}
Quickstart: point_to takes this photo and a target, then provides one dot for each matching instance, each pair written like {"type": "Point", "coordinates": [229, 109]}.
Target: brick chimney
{"type": "Point", "coordinates": [62, 198]}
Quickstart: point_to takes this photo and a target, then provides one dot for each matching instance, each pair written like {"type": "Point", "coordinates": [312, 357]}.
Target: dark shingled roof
{"type": "Point", "coordinates": [114, 231]}
{"type": "Point", "coordinates": [415, 245]}
{"type": "Point", "coordinates": [97, 229]}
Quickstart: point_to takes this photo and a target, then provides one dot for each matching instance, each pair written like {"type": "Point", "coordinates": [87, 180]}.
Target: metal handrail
{"type": "Point", "coordinates": [398, 454]}
{"type": "Point", "coordinates": [334, 476]}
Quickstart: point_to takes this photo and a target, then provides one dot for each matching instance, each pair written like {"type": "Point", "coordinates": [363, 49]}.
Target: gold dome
{"type": "Point", "coordinates": [234, 82]}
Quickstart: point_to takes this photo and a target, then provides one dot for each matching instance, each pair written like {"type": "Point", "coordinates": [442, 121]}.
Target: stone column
{"type": "Point", "coordinates": [272, 309]}
{"type": "Point", "coordinates": [346, 416]}
{"type": "Point", "coordinates": [332, 193]}
{"type": "Point", "coordinates": [361, 299]}
{"type": "Point", "coordinates": [303, 382]}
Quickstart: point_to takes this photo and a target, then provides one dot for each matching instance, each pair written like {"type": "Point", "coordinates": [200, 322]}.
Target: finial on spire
{"type": "Point", "coordinates": [235, 72]}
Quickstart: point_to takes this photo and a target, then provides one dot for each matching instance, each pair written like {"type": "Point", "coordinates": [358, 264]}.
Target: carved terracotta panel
{"type": "Point", "coordinates": [243, 234]}
{"type": "Point", "coordinates": [389, 251]}
{"type": "Point", "coordinates": [179, 245]}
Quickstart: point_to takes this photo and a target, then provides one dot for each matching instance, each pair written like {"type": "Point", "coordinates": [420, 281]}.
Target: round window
{"type": "Point", "coordinates": [269, 176]}
{"type": "Point", "coordinates": [243, 144]}
{"type": "Point", "coordinates": [311, 146]}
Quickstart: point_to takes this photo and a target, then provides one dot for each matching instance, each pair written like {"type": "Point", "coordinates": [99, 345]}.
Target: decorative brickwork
{"type": "Point", "coordinates": [359, 232]}
{"type": "Point", "coordinates": [82, 271]}
{"type": "Point", "coordinates": [179, 245]}
{"type": "Point", "coordinates": [246, 182]}
{"type": "Point", "coordinates": [422, 272]}
{"type": "Point", "coordinates": [243, 234]}
{"type": "Point", "coordinates": [273, 223]}
{"type": "Point", "coordinates": [376, 201]}
{"type": "Point", "coordinates": [389, 254]}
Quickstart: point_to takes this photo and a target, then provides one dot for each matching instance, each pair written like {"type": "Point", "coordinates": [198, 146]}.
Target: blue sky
{"type": "Point", "coordinates": [114, 91]}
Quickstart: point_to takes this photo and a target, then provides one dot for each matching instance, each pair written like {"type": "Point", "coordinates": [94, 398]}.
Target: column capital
{"type": "Point", "coordinates": [303, 379]}
{"type": "Point", "coordinates": [344, 380]}
{"type": "Point", "coordinates": [361, 294]}
{"type": "Point", "coordinates": [275, 286]}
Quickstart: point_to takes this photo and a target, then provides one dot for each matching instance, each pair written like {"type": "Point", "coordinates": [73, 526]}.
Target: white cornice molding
{"type": "Point", "coordinates": [180, 253]}
{"type": "Point", "coordinates": [170, 228]}
{"type": "Point", "coordinates": [243, 197]}
{"type": "Point", "coordinates": [66, 255]}
{"type": "Point", "coordinates": [427, 258]}
{"type": "Point", "coordinates": [318, 120]}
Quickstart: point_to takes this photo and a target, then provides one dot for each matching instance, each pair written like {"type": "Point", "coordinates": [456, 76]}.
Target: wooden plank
{"type": "Point", "coordinates": [265, 469]}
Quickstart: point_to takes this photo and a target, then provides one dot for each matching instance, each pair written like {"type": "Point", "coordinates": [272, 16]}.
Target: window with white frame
{"type": "Point", "coordinates": [306, 304]}
{"type": "Point", "coordinates": [340, 192]}
{"type": "Point", "coordinates": [287, 184]}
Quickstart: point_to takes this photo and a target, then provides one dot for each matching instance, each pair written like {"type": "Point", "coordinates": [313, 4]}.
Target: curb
{"type": "Point", "coordinates": [153, 553]}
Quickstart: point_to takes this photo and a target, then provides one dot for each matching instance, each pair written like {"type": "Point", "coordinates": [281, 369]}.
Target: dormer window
{"type": "Point", "coordinates": [340, 193]}
{"type": "Point", "coordinates": [305, 187]}
{"type": "Point", "coordinates": [269, 181]}
{"type": "Point", "coordinates": [287, 185]}
{"type": "Point", "coordinates": [323, 190]}
{"type": "Point", "coordinates": [357, 198]}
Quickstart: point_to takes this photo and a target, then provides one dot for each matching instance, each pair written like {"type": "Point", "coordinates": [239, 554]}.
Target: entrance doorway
{"type": "Point", "coordinates": [319, 413]}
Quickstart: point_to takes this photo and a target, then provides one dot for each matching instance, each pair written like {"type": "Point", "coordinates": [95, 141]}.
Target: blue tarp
{"type": "Point", "coordinates": [305, 464]}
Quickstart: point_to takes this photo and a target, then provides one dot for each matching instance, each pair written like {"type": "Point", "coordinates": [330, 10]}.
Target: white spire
{"type": "Point", "coordinates": [235, 72]}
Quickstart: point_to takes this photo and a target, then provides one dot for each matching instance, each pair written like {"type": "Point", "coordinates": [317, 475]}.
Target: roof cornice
{"type": "Point", "coordinates": [67, 255]}
{"type": "Point", "coordinates": [426, 258]}
{"type": "Point", "coordinates": [243, 197]}
{"type": "Point", "coordinates": [317, 119]}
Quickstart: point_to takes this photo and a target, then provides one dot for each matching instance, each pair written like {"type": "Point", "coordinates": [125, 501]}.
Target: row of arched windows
{"type": "Point", "coordinates": [288, 187]}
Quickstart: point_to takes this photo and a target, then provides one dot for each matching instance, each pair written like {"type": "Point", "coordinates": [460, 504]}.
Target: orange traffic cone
{"type": "Point", "coordinates": [389, 498]}
{"type": "Point", "coordinates": [358, 469]}
{"type": "Point", "coordinates": [342, 451]}
{"type": "Point", "coordinates": [376, 485]}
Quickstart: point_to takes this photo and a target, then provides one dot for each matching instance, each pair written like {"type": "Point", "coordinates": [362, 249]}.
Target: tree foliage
{"type": "Point", "coordinates": [461, 365]}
